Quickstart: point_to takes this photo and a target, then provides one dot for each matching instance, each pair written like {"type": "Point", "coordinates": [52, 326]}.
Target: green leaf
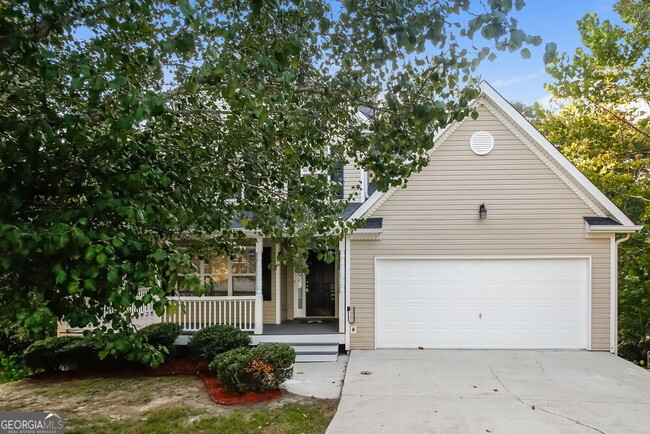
{"type": "Point", "coordinates": [73, 287]}
{"type": "Point", "coordinates": [102, 259]}
{"type": "Point", "coordinates": [113, 275]}
{"type": "Point", "coordinates": [525, 53]}
{"type": "Point", "coordinates": [550, 52]}
{"type": "Point", "coordinates": [60, 274]}
{"type": "Point", "coordinates": [159, 255]}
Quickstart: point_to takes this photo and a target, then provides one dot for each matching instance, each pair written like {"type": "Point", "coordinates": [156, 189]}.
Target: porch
{"type": "Point", "coordinates": [274, 303]}
{"type": "Point", "coordinates": [257, 294]}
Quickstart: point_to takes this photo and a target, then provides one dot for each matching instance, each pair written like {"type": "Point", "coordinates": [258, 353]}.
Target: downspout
{"type": "Point", "coordinates": [613, 308]}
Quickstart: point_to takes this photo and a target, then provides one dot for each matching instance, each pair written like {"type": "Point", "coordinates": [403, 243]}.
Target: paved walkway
{"type": "Point", "coordinates": [498, 391]}
{"type": "Point", "coordinates": [318, 379]}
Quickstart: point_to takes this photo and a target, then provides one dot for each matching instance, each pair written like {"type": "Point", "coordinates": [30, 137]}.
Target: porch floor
{"type": "Point", "coordinates": [311, 326]}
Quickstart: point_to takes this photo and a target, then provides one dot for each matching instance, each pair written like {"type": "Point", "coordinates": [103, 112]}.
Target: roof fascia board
{"type": "Point", "coordinates": [614, 228]}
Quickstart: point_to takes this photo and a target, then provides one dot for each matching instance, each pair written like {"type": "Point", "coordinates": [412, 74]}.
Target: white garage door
{"type": "Point", "coordinates": [482, 303]}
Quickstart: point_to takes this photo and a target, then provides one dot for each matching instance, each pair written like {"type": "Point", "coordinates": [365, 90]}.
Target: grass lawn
{"type": "Point", "coordinates": [160, 405]}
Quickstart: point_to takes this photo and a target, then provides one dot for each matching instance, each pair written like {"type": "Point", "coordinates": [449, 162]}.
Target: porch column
{"type": "Point", "coordinates": [259, 299]}
{"type": "Point", "coordinates": [342, 261]}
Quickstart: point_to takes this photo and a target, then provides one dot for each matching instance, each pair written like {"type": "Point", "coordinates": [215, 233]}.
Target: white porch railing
{"type": "Point", "coordinates": [194, 313]}
{"type": "Point", "coordinates": [145, 313]}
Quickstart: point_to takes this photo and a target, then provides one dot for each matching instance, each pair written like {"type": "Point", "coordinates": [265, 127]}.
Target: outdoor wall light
{"type": "Point", "coordinates": [482, 212]}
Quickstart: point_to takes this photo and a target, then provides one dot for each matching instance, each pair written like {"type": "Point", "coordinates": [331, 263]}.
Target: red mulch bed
{"type": "Point", "coordinates": [174, 366]}
{"type": "Point", "coordinates": [217, 392]}
{"type": "Point", "coordinates": [221, 395]}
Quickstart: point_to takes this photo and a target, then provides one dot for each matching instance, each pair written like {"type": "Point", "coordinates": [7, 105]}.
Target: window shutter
{"type": "Point", "coordinates": [266, 274]}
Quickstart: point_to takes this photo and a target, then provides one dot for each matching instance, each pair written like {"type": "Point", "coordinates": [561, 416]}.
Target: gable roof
{"type": "Point", "coordinates": [575, 176]}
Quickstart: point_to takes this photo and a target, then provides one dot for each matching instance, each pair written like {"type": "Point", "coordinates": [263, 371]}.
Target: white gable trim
{"type": "Point", "coordinates": [508, 109]}
{"type": "Point", "coordinates": [378, 198]}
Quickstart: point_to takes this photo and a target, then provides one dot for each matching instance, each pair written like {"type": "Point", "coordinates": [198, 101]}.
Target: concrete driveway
{"type": "Point", "coordinates": [499, 391]}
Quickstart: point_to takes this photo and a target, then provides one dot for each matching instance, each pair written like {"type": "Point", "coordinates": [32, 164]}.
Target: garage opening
{"type": "Point", "coordinates": [531, 303]}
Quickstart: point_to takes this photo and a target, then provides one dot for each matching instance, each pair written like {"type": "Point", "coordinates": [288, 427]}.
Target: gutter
{"type": "Point", "coordinates": [619, 229]}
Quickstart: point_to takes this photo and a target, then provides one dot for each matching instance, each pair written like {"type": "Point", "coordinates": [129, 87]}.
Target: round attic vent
{"type": "Point", "coordinates": [481, 142]}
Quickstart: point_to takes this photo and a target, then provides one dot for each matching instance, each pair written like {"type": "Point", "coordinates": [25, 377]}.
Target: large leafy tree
{"type": "Point", "coordinates": [604, 128]}
{"type": "Point", "coordinates": [127, 128]}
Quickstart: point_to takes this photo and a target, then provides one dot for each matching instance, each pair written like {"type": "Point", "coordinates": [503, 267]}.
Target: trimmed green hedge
{"type": "Point", "coordinates": [52, 353]}
{"type": "Point", "coordinates": [161, 334]}
{"type": "Point", "coordinates": [258, 369]}
{"type": "Point", "coordinates": [209, 342]}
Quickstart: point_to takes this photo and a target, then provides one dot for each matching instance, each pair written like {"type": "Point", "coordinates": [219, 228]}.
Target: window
{"type": "Point", "coordinates": [337, 176]}
{"type": "Point", "coordinates": [243, 273]}
{"type": "Point", "coordinates": [225, 276]}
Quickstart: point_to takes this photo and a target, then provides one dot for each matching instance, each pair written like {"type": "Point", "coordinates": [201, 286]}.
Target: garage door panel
{"type": "Point", "coordinates": [482, 303]}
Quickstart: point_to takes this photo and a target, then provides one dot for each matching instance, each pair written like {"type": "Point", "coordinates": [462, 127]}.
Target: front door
{"type": "Point", "coordinates": [320, 287]}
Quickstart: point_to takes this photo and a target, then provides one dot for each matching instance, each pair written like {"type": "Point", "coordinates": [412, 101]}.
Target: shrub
{"type": "Point", "coordinates": [211, 341]}
{"type": "Point", "coordinates": [161, 334]}
{"type": "Point", "coordinates": [11, 368]}
{"type": "Point", "coordinates": [258, 369]}
{"type": "Point", "coordinates": [52, 353]}
{"type": "Point", "coordinates": [636, 352]}
{"type": "Point", "coordinates": [13, 339]}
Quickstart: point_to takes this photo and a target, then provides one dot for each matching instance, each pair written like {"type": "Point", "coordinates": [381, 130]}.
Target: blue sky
{"type": "Point", "coordinates": [555, 21]}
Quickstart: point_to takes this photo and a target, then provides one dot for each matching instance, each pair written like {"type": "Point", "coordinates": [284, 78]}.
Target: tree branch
{"type": "Point", "coordinates": [620, 119]}
{"type": "Point", "coordinates": [44, 27]}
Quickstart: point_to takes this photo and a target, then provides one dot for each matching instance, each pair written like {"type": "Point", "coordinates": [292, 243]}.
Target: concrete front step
{"type": "Point", "coordinates": [315, 352]}
{"type": "Point", "coordinates": [327, 339]}
{"type": "Point", "coordinates": [315, 348]}
{"type": "Point", "coordinates": [316, 357]}
{"type": "Point", "coordinates": [309, 348]}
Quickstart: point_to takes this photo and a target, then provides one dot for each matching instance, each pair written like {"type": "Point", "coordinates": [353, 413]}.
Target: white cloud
{"type": "Point", "coordinates": [516, 79]}
{"type": "Point", "coordinates": [550, 103]}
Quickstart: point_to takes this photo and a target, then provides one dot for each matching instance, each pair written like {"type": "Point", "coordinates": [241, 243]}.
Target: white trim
{"type": "Point", "coordinates": [259, 298]}
{"type": "Point", "coordinates": [366, 234]}
{"type": "Point", "coordinates": [491, 93]}
{"type": "Point", "coordinates": [278, 286]}
{"type": "Point", "coordinates": [366, 205]}
{"type": "Point", "coordinates": [471, 257]}
{"type": "Point", "coordinates": [588, 291]}
{"type": "Point", "coordinates": [347, 292]}
{"type": "Point", "coordinates": [613, 295]}
{"type": "Point", "coordinates": [341, 286]}
{"type": "Point", "coordinates": [613, 228]}
{"type": "Point", "coordinates": [298, 285]}
{"type": "Point", "coordinates": [363, 175]}
{"type": "Point", "coordinates": [613, 302]}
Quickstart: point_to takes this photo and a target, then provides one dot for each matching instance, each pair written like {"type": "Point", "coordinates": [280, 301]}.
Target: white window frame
{"type": "Point", "coordinates": [230, 275]}
{"type": "Point", "coordinates": [364, 184]}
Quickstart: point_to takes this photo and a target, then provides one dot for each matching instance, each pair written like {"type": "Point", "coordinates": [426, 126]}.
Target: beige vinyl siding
{"type": "Point", "coordinates": [599, 206]}
{"type": "Point", "coordinates": [530, 212]}
{"type": "Point", "coordinates": [289, 292]}
{"type": "Point", "coordinates": [351, 178]}
{"type": "Point", "coordinates": [283, 290]}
